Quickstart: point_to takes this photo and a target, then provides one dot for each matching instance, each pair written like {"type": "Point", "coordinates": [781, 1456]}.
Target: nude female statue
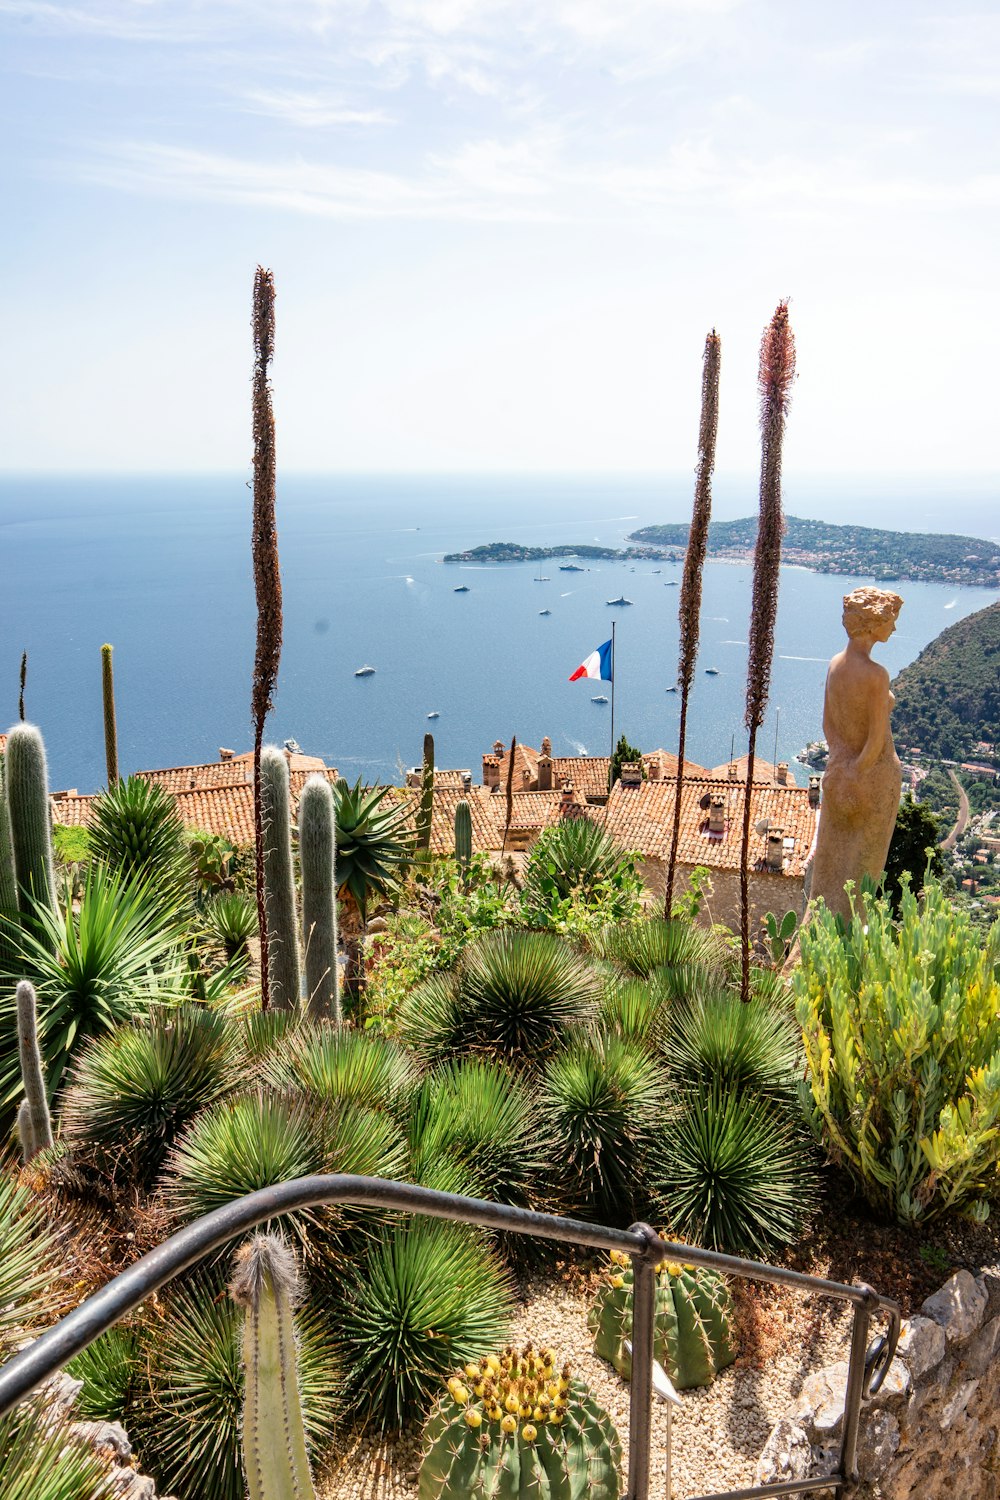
{"type": "Point", "coordinates": [862, 780]}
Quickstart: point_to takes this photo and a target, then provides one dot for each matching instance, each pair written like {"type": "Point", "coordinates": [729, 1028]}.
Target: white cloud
{"type": "Point", "coordinates": [310, 110]}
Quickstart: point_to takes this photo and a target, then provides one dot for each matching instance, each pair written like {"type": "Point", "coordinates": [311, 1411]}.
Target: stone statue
{"type": "Point", "coordinates": [862, 781]}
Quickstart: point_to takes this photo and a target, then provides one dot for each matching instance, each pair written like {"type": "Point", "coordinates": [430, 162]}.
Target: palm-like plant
{"type": "Point", "coordinates": [231, 918]}
{"type": "Point", "coordinates": [374, 842]}
{"type": "Point", "coordinates": [135, 1089]}
{"type": "Point", "coordinates": [513, 995]}
{"type": "Point", "coordinates": [577, 857]}
{"type": "Point", "coordinates": [426, 1297]}
{"type": "Point", "coordinates": [136, 830]}
{"type": "Point", "coordinates": [338, 1066]}
{"type": "Point", "coordinates": [93, 971]}
{"type": "Point", "coordinates": [604, 1097]}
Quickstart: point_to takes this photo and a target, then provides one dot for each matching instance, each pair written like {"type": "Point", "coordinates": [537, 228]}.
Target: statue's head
{"type": "Point", "coordinates": [872, 612]}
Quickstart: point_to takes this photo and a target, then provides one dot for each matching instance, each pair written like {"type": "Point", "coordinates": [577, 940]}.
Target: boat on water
{"type": "Point", "coordinates": [293, 747]}
{"type": "Point", "coordinates": [711, 671]}
{"type": "Point", "coordinates": [434, 714]}
{"type": "Point", "coordinates": [463, 588]}
{"type": "Point", "coordinates": [365, 671]}
{"type": "Point", "coordinates": [674, 689]}
{"type": "Point", "coordinates": [571, 568]}
{"type": "Point", "coordinates": [657, 570]}
{"type": "Point", "coordinates": [600, 698]}
{"type": "Point", "coordinates": [545, 611]}
{"type": "Point", "coordinates": [620, 600]}
{"type": "Point", "coordinates": [542, 578]}
{"type": "Point", "coordinates": [671, 583]}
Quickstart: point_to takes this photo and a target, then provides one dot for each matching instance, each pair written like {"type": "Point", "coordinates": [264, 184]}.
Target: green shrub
{"type": "Point", "coordinates": [902, 1038]}
{"type": "Point", "coordinates": [576, 864]}
{"type": "Point", "coordinates": [732, 1171]}
{"type": "Point", "coordinates": [426, 1296]}
{"type": "Point", "coordinates": [514, 994]}
{"type": "Point", "coordinates": [110, 1369]}
{"type": "Point", "coordinates": [231, 918]}
{"type": "Point", "coordinates": [603, 1098]}
{"type": "Point", "coordinates": [71, 843]}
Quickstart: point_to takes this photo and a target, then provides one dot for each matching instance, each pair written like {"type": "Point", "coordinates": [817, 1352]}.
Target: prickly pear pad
{"type": "Point", "coordinates": [516, 1427]}
{"type": "Point", "coordinates": [694, 1337]}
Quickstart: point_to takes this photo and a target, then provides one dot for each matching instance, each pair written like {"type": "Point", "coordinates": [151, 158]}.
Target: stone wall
{"type": "Point", "coordinates": [777, 893]}
{"type": "Point", "coordinates": [931, 1432]}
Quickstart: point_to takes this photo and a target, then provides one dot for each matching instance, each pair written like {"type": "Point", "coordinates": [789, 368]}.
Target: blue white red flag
{"type": "Point", "coordinates": [597, 665]}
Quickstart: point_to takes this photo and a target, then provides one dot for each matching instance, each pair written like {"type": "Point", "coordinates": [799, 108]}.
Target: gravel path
{"type": "Point", "coordinates": [718, 1432]}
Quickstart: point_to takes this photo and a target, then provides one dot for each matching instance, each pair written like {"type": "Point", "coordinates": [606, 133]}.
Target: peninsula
{"type": "Point", "coordinates": [864, 551]}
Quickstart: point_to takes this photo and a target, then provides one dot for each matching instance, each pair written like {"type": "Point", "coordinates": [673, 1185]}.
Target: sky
{"type": "Point", "coordinates": [500, 230]}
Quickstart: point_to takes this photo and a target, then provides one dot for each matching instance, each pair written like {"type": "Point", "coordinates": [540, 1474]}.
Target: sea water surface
{"type": "Point", "coordinates": [160, 567]}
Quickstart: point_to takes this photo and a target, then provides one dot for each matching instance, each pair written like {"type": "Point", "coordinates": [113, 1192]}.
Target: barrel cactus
{"type": "Point", "coordinates": [516, 1425]}
{"type": "Point", "coordinates": [694, 1336]}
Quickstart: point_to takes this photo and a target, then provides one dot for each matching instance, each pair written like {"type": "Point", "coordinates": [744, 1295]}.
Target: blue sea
{"type": "Point", "coordinates": [160, 566]}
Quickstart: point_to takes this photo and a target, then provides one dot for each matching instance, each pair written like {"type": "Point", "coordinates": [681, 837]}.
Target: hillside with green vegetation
{"type": "Point", "coordinates": [948, 700]}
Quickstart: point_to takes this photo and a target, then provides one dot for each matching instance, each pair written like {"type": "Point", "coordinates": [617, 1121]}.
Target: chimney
{"type": "Point", "coordinates": [225, 754]}
{"type": "Point", "coordinates": [782, 776]}
{"type": "Point", "coordinates": [498, 749]}
{"type": "Point", "coordinates": [491, 771]}
{"type": "Point", "coordinates": [414, 776]}
{"type": "Point", "coordinates": [776, 850]}
{"type": "Point", "coordinates": [546, 745]}
{"type": "Point", "coordinates": [655, 768]}
{"type": "Point", "coordinates": [545, 768]}
{"type": "Point", "coordinates": [466, 781]}
{"type": "Point", "coordinates": [814, 786]}
{"type": "Point", "coordinates": [734, 771]}
{"type": "Point", "coordinates": [568, 799]}
{"type": "Point", "coordinates": [717, 814]}
{"type": "Point", "coordinates": [631, 773]}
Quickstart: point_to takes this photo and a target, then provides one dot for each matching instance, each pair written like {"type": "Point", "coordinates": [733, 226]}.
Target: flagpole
{"type": "Point", "coordinates": [613, 676]}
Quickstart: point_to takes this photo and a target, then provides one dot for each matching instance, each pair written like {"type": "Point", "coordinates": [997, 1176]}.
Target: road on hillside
{"type": "Point", "coordinates": [963, 815]}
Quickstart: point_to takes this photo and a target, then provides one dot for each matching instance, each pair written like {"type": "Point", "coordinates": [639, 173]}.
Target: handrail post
{"type": "Point", "coordinates": [855, 1388]}
{"type": "Point", "coordinates": [640, 1415]}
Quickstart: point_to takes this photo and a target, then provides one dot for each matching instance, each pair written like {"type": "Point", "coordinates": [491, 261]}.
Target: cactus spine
{"type": "Point", "coordinates": [34, 1121]}
{"type": "Point", "coordinates": [317, 857]}
{"type": "Point", "coordinates": [27, 787]}
{"type": "Point", "coordinates": [8, 882]}
{"type": "Point", "coordinates": [426, 808]}
{"type": "Point", "coordinates": [513, 1425]}
{"type": "Point", "coordinates": [693, 1339]}
{"type": "Point", "coordinates": [279, 881]}
{"type": "Point", "coordinates": [110, 725]}
{"type": "Point", "coordinates": [274, 1441]}
{"type": "Point", "coordinates": [463, 836]}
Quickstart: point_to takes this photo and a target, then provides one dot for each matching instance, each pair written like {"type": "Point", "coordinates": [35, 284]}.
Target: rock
{"type": "Point", "coordinates": [126, 1484]}
{"type": "Point", "coordinates": [878, 1444]}
{"type": "Point", "coordinates": [922, 1344]}
{"type": "Point", "coordinates": [787, 1455]}
{"type": "Point", "coordinates": [982, 1350]}
{"type": "Point", "coordinates": [990, 1281]}
{"type": "Point", "coordinates": [821, 1400]}
{"type": "Point", "coordinates": [110, 1436]}
{"type": "Point", "coordinates": [957, 1402]}
{"type": "Point", "coordinates": [960, 1306]}
{"type": "Point", "coordinates": [60, 1392]}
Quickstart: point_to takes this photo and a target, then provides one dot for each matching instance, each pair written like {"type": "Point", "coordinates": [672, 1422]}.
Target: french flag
{"type": "Point", "coordinates": [597, 665]}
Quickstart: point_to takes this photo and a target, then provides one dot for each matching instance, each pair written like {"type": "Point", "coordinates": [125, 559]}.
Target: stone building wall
{"type": "Point", "coordinates": [777, 893]}
{"type": "Point", "coordinates": [932, 1430]}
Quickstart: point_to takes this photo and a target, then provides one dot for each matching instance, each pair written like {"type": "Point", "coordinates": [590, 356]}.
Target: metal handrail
{"type": "Point", "coordinates": [866, 1371]}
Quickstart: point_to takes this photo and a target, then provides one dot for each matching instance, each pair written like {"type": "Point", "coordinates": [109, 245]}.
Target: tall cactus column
{"type": "Point", "coordinates": [279, 881]}
{"type": "Point", "coordinates": [26, 778]}
{"type": "Point", "coordinates": [463, 837]}
{"type": "Point", "coordinates": [317, 857]}
{"type": "Point", "coordinates": [110, 724]}
{"type": "Point", "coordinates": [33, 1116]}
{"type": "Point", "coordinates": [8, 883]}
{"type": "Point", "coordinates": [425, 810]}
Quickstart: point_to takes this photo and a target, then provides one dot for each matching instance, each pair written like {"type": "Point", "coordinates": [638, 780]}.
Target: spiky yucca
{"type": "Point", "coordinates": [752, 1046]}
{"type": "Point", "coordinates": [635, 1009]}
{"type": "Point", "coordinates": [110, 1369]}
{"type": "Point", "coordinates": [777, 371]}
{"type": "Point", "coordinates": [31, 1259]}
{"type": "Point", "coordinates": [644, 948]}
{"type": "Point", "coordinates": [231, 918]}
{"type": "Point", "coordinates": [694, 564]}
{"type": "Point", "coordinates": [424, 1297]}
{"type": "Point", "coordinates": [136, 831]}
{"type": "Point", "coordinates": [42, 1459]}
{"type": "Point", "coordinates": [374, 842]}
{"type": "Point", "coordinates": [337, 1066]}
{"type": "Point", "coordinates": [574, 858]}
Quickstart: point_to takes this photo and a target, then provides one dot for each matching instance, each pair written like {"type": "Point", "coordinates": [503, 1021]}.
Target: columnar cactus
{"type": "Point", "coordinates": [279, 881]}
{"type": "Point", "coordinates": [34, 1122]}
{"type": "Point", "coordinates": [26, 779]}
{"type": "Point", "coordinates": [317, 857]}
{"type": "Point", "coordinates": [463, 835]}
{"type": "Point", "coordinates": [693, 1339]}
{"type": "Point", "coordinates": [515, 1425]}
{"type": "Point", "coordinates": [275, 1458]}
{"type": "Point", "coordinates": [110, 726]}
{"type": "Point", "coordinates": [8, 883]}
{"type": "Point", "coordinates": [425, 809]}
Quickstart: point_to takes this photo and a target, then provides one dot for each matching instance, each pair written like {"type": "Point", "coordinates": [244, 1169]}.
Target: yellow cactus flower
{"type": "Point", "coordinates": [512, 1403]}
{"type": "Point", "coordinates": [617, 1282]}
{"type": "Point", "coordinates": [472, 1371]}
{"type": "Point", "coordinates": [474, 1417]}
{"type": "Point", "coordinates": [509, 1425]}
{"type": "Point", "coordinates": [459, 1392]}
{"type": "Point", "coordinates": [530, 1433]}
{"type": "Point", "coordinates": [556, 1417]}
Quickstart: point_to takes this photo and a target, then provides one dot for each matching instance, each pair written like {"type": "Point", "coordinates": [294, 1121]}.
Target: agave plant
{"type": "Point", "coordinates": [742, 1047]}
{"type": "Point", "coordinates": [110, 1369]}
{"type": "Point", "coordinates": [136, 831]}
{"type": "Point", "coordinates": [604, 1098]}
{"type": "Point", "coordinates": [576, 858]}
{"type": "Point", "coordinates": [733, 1171]}
{"type": "Point", "coordinates": [637, 1010]}
{"type": "Point", "coordinates": [135, 1089]}
{"type": "Point", "coordinates": [644, 947]}
{"type": "Point", "coordinates": [374, 842]}
{"type": "Point", "coordinates": [231, 918]}
{"type": "Point", "coordinates": [426, 1296]}
{"type": "Point", "coordinates": [93, 971]}
{"type": "Point", "coordinates": [31, 1258]}
{"type": "Point", "coordinates": [339, 1066]}
{"type": "Point", "coordinates": [188, 1421]}
{"type": "Point", "coordinates": [513, 995]}
{"type": "Point", "coordinates": [41, 1459]}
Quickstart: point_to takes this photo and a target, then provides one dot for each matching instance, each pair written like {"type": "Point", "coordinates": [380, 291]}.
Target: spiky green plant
{"type": "Point", "coordinates": [135, 1089]}
{"type": "Point", "coordinates": [635, 1009]}
{"type": "Point", "coordinates": [645, 947]}
{"type": "Point", "coordinates": [424, 1297]}
{"type": "Point", "coordinates": [26, 784]}
{"type": "Point", "coordinates": [110, 1369]}
{"type": "Point", "coordinates": [188, 1424]}
{"type": "Point", "coordinates": [36, 1126]}
{"type": "Point", "coordinates": [479, 1115]}
{"type": "Point", "coordinates": [317, 857]}
{"type": "Point", "coordinates": [275, 1458]}
{"type": "Point", "coordinates": [754, 1046]}
{"type": "Point", "coordinates": [576, 857]}
{"type": "Point", "coordinates": [603, 1098]}
{"type": "Point", "coordinates": [425, 808]}
{"type": "Point", "coordinates": [94, 970]}
{"type": "Point", "coordinates": [374, 844]}
{"type": "Point", "coordinates": [338, 1066]}
{"type": "Point", "coordinates": [231, 918]}
{"type": "Point", "coordinates": [136, 831]}
{"type": "Point", "coordinates": [42, 1459]}
{"type": "Point", "coordinates": [279, 882]}
{"type": "Point", "coordinates": [31, 1258]}
{"type": "Point", "coordinates": [262, 1033]}
{"type": "Point", "coordinates": [110, 726]}
{"type": "Point", "coordinates": [732, 1171]}
{"type": "Point", "coordinates": [514, 994]}
{"type": "Point", "coordinates": [557, 1440]}
{"type": "Point", "coordinates": [693, 1335]}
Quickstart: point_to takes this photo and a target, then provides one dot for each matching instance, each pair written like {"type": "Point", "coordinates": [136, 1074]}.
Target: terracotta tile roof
{"type": "Point", "coordinates": [525, 768]}
{"type": "Point", "coordinates": [641, 818]}
{"type": "Point", "coordinates": [763, 771]}
{"type": "Point", "coordinates": [589, 773]}
{"type": "Point", "coordinates": [219, 773]}
{"type": "Point", "coordinates": [70, 808]}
